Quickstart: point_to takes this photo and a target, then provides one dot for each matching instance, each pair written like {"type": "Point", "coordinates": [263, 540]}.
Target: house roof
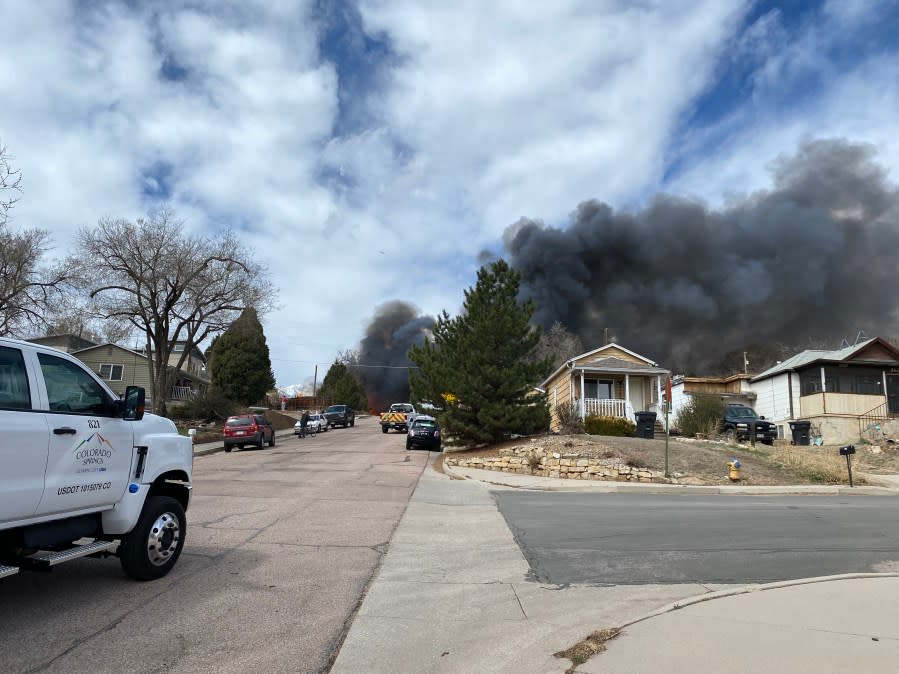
{"type": "Point", "coordinates": [824, 356]}
{"type": "Point", "coordinates": [609, 363]}
{"type": "Point", "coordinates": [115, 346]}
{"type": "Point", "coordinates": [613, 364]}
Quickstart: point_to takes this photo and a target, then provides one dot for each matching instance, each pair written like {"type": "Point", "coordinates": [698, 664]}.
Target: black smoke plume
{"type": "Point", "coordinates": [395, 327]}
{"type": "Point", "coordinates": [815, 257]}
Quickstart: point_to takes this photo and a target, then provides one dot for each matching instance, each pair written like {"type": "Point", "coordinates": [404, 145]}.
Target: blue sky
{"type": "Point", "coordinates": [371, 150]}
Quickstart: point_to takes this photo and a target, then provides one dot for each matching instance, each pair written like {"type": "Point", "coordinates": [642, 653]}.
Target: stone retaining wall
{"type": "Point", "coordinates": [538, 461]}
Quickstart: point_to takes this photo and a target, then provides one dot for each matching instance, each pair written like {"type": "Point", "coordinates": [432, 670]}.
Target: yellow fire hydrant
{"type": "Point", "coordinates": [733, 468]}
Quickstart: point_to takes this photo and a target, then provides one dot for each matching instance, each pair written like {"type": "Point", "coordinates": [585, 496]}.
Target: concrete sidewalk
{"type": "Point", "coordinates": [840, 624]}
{"type": "Point", "coordinates": [453, 595]}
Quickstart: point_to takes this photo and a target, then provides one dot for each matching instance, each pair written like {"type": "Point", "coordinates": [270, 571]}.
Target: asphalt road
{"type": "Point", "coordinates": [637, 539]}
{"type": "Point", "coordinates": [281, 545]}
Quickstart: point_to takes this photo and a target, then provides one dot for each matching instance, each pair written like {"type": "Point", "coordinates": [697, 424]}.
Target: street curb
{"type": "Point", "coordinates": [607, 486]}
{"type": "Point", "coordinates": [749, 589]}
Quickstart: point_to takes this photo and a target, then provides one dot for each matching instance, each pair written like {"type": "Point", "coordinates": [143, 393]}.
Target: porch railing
{"type": "Point", "coordinates": [612, 407]}
{"type": "Point", "coordinates": [873, 418]}
{"type": "Point", "coordinates": [182, 393]}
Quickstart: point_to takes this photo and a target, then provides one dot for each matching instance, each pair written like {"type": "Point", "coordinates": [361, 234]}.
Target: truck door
{"type": "Point", "coordinates": [90, 451]}
{"type": "Point", "coordinates": [23, 442]}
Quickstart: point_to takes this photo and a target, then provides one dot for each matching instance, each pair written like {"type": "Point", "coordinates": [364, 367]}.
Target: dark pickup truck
{"type": "Point", "coordinates": [740, 422]}
{"type": "Point", "coordinates": [340, 415]}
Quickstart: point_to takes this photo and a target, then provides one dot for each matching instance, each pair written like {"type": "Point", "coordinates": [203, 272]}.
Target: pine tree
{"type": "Point", "coordinates": [342, 388]}
{"type": "Point", "coordinates": [479, 368]}
{"type": "Point", "coordinates": [239, 362]}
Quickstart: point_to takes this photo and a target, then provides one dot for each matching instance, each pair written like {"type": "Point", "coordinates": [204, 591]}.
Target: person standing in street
{"type": "Point", "coordinates": [304, 421]}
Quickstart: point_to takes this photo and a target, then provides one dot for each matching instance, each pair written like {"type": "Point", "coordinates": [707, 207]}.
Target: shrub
{"type": "Point", "coordinates": [209, 406]}
{"type": "Point", "coordinates": [617, 426]}
{"type": "Point", "coordinates": [570, 422]}
{"type": "Point", "coordinates": [703, 414]}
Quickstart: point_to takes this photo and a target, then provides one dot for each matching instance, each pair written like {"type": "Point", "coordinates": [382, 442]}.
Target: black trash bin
{"type": "Point", "coordinates": [800, 431]}
{"type": "Point", "coordinates": [646, 424]}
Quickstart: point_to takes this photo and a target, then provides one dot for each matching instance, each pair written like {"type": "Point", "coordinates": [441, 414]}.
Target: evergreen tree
{"type": "Point", "coordinates": [342, 388]}
{"type": "Point", "coordinates": [239, 361]}
{"type": "Point", "coordinates": [478, 367]}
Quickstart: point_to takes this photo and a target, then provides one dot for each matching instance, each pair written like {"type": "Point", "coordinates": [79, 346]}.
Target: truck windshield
{"type": "Point", "coordinates": [743, 413]}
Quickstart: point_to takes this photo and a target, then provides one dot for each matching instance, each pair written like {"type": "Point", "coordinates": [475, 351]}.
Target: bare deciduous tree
{"type": "Point", "coordinates": [171, 286]}
{"type": "Point", "coordinates": [10, 181]}
{"type": "Point", "coordinates": [558, 344]}
{"type": "Point", "coordinates": [27, 290]}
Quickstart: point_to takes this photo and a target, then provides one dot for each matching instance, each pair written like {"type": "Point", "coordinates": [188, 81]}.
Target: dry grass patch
{"type": "Point", "coordinates": [586, 649]}
{"type": "Point", "coordinates": [816, 465]}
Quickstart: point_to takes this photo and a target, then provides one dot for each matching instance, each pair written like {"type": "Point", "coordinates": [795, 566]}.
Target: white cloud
{"type": "Point", "coordinates": [489, 112]}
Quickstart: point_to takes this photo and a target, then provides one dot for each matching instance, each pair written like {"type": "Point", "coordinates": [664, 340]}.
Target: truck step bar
{"type": "Point", "coordinates": [8, 571]}
{"type": "Point", "coordinates": [54, 558]}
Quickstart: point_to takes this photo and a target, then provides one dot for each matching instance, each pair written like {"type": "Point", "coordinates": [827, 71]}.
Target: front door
{"type": "Point", "coordinates": [893, 393]}
{"type": "Point", "coordinates": [90, 451]}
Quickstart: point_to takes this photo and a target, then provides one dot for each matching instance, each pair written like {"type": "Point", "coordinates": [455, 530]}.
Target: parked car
{"type": "Point", "coordinates": [340, 415]}
{"type": "Point", "coordinates": [248, 429]}
{"type": "Point", "coordinates": [740, 422]}
{"type": "Point", "coordinates": [317, 424]}
{"type": "Point", "coordinates": [424, 432]}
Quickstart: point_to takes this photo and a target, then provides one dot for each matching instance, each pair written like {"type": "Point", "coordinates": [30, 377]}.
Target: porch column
{"type": "Point", "coordinates": [885, 387]}
{"type": "Point", "coordinates": [823, 381]}
{"type": "Point", "coordinates": [627, 391]}
{"type": "Point", "coordinates": [659, 394]}
{"type": "Point", "coordinates": [583, 401]}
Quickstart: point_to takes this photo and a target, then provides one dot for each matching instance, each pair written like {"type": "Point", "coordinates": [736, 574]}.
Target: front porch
{"type": "Point", "coordinates": [618, 396]}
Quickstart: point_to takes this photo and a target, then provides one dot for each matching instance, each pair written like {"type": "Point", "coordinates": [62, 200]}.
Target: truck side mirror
{"type": "Point", "coordinates": [135, 399]}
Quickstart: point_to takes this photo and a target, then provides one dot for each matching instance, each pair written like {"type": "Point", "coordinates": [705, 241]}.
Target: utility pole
{"type": "Point", "coordinates": [315, 380]}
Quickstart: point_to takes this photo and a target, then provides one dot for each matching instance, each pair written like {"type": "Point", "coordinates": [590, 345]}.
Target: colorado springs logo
{"type": "Point", "coordinates": [91, 454]}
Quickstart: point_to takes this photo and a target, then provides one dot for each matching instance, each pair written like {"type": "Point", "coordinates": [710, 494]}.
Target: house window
{"type": "Point", "coordinates": [868, 385]}
{"type": "Point", "coordinates": [111, 372]}
{"type": "Point", "coordinates": [811, 383]}
{"type": "Point", "coordinates": [598, 388]}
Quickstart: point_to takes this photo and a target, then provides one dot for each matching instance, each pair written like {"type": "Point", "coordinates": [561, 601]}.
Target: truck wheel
{"type": "Point", "coordinates": [353, 422]}
{"type": "Point", "coordinates": [383, 429]}
{"type": "Point", "coordinates": [730, 436]}
{"type": "Point", "coordinates": [154, 545]}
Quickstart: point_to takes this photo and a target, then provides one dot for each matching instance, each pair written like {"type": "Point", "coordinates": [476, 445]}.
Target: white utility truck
{"type": "Point", "coordinates": [83, 472]}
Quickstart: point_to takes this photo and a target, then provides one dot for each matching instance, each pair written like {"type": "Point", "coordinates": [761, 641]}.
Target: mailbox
{"type": "Point", "coordinates": [847, 450]}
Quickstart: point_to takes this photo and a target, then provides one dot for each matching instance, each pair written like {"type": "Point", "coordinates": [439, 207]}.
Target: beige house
{"type": "Point", "coordinates": [121, 367]}
{"type": "Point", "coordinates": [610, 381]}
{"type": "Point", "coordinates": [843, 393]}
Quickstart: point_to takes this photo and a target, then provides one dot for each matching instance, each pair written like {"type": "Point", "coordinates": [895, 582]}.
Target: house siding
{"type": "Point", "coordinates": [773, 397]}
{"type": "Point", "coordinates": [558, 394]}
{"type": "Point", "coordinates": [135, 371]}
{"type": "Point", "coordinates": [611, 352]}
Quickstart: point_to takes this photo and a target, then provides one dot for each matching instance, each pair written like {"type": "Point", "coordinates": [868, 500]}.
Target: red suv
{"type": "Point", "coordinates": [248, 429]}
